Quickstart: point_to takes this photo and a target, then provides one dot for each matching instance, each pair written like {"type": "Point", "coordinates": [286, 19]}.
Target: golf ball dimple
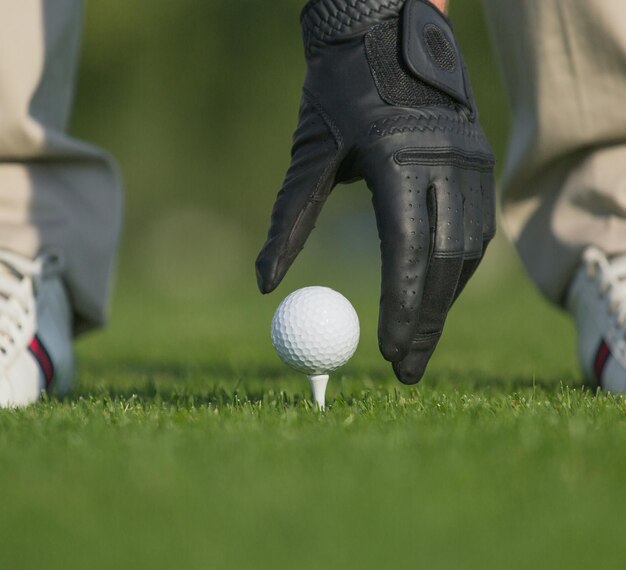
{"type": "Point", "coordinates": [315, 330]}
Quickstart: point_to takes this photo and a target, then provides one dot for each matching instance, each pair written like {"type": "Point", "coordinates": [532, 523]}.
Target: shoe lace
{"type": "Point", "coordinates": [611, 277]}
{"type": "Point", "coordinates": [17, 305]}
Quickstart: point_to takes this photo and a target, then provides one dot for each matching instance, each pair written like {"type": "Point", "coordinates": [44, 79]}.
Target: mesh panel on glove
{"type": "Point", "coordinates": [439, 48]}
{"type": "Point", "coordinates": [395, 83]}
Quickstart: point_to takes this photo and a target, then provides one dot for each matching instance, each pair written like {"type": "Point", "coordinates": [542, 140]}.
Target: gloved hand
{"type": "Point", "coordinates": [387, 99]}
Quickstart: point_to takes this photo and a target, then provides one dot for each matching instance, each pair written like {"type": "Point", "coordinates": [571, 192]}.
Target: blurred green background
{"type": "Point", "coordinates": [197, 100]}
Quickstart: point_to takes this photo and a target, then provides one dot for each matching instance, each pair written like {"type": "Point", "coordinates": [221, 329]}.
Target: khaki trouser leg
{"type": "Point", "coordinates": [564, 183]}
{"type": "Point", "coordinates": [57, 194]}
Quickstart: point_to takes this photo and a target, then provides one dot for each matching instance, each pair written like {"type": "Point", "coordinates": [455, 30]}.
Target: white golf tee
{"type": "Point", "coordinates": [318, 387]}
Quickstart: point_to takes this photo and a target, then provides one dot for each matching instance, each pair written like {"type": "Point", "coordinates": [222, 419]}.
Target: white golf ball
{"type": "Point", "coordinates": [315, 330]}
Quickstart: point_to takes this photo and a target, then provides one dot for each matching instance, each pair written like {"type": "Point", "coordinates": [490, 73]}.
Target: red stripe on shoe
{"type": "Point", "coordinates": [602, 357]}
{"type": "Point", "coordinates": [42, 357]}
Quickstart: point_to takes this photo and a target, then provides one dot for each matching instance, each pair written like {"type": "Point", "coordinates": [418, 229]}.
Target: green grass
{"type": "Point", "coordinates": [188, 445]}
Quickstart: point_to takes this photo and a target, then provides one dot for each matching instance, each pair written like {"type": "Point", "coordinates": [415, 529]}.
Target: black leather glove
{"type": "Point", "coordinates": [387, 99]}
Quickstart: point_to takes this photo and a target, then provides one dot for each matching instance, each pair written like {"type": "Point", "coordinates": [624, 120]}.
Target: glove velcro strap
{"type": "Point", "coordinates": [397, 84]}
{"type": "Point", "coordinates": [326, 20]}
{"type": "Point", "coordinates": [430, 50]}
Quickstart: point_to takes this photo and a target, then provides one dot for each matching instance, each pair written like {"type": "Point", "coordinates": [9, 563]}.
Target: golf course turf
{"type": "Point", "coordinates": [189, 444]}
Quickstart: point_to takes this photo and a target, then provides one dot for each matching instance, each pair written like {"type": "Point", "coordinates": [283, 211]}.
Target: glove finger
{"type": "Point", "coordinates": [309, 181]}
{"type": "Point", "coordinates": [487, 186]}
{"type": "Point", "coordinates": [444, 270]}
{"type": "Point", "coordinates": [400, 203]}
{"type": "Point", "coordinates": [487, 220]}
{"type": "Point", "coordinates": [473, 215]}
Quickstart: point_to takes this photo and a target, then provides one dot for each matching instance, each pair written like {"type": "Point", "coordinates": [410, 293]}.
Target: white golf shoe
{"type": "Point", "coordinates": [35, 330]}
{"type": "Point", "coordinates": [597, 300]}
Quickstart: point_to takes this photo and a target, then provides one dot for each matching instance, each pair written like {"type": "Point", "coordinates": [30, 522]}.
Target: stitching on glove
{"type": "Point", "coordinates": [323, 19]}
{"type": "Point", "coordinates": [429, 121]}
{"type": "Point", "coordinates": [445, 156]}
{"type": "Point", "coordinates": [316, 195]}
{"type": "Point", "coordinates": [421, 338]}
{"type": "Point", "coordinates": [448, 254]}
{"type": "Point", "coordinates": [310, 98]}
